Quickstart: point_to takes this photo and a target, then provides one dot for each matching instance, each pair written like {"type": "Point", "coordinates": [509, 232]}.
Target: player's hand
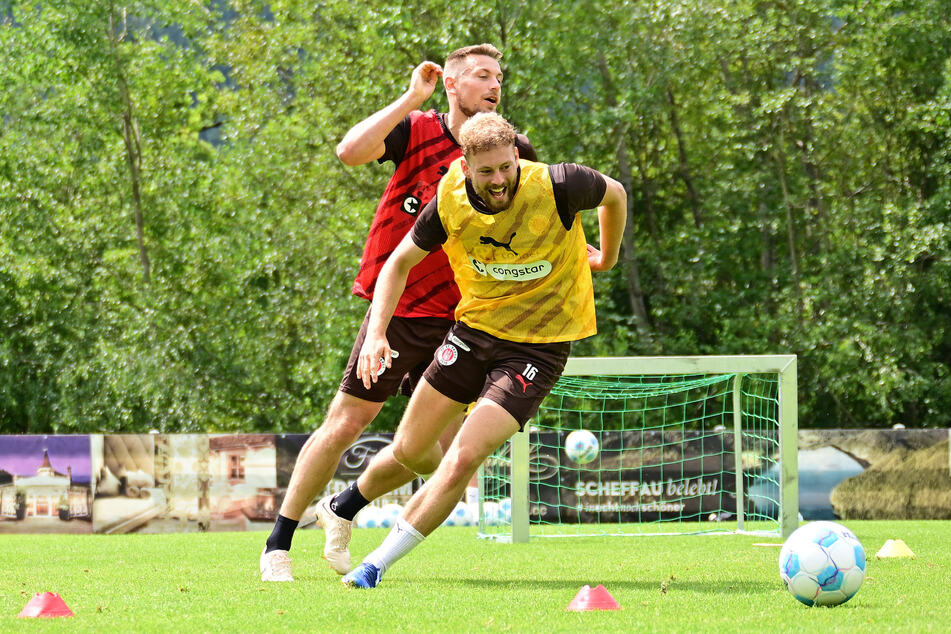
{"type": "Point", "coordinates": [375, 357]}
{"type": "Point", "coordinates": [595, 259]}
{"type": "Point", "coordinates": [424, 80]}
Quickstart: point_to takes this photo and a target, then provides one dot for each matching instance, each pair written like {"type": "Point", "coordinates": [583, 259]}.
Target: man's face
{"type": "Point", "coordinates": [478, 88]}
{"type": "Point", "coordinates": [493, 174]}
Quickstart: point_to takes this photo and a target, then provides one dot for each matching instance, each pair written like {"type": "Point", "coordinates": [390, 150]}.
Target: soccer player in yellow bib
{"type": "Point", "coordinates": [518, 253]}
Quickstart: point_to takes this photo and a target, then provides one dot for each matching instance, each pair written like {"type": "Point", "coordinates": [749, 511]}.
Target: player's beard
{"type": "Point", "coordinates": [493, 203]}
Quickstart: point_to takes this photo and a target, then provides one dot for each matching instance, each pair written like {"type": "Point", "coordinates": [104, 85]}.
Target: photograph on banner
{"type": "Point", "coordinates": [905, 472]}
{"type": "Point", "coordinates": [151, 483]}
{"type": "Point", "coordinates": [243, 493]}
{"type": "Point", "coordinates": [126, 492]}
{"type": "Point", "coordinates": [45, 484]}
{"type": "Point", "coordinates": [866, 474]}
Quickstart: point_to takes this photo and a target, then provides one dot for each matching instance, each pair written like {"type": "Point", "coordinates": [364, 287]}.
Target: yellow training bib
{"type": "Point", "coordinates": [522, 276]}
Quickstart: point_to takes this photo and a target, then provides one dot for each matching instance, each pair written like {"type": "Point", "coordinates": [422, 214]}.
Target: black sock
{"type": "Point", "coordinates": [280, 538]}
{"type": "Point", "coordinates": [348, 502]}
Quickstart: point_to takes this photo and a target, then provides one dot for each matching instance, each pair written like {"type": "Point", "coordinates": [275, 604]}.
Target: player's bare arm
{"type": "Point", "coordinates": [612, 216]}
{"type": "Point", "coordinates": [364, 141]}
{"type": "Point", "coordinates": [389, 287]}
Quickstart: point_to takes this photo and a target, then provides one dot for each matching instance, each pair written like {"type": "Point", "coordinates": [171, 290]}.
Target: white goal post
{"type": "Point", "coordinates": [783, 367]}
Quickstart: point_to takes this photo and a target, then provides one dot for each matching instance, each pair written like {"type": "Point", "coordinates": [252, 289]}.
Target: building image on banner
{"type": "Point", "coordinates": [243, 492]}
{"type": "Point", "coordinates": [45, 484]}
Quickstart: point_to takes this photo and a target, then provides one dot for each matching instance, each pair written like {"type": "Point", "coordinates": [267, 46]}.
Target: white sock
{"type": "Point", "coordinates": [472, 495]}
{"type": "Point", "coordinates": [401, 539]}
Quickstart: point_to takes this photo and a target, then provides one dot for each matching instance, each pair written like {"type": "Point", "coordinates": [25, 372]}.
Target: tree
{"type": "Point", "coordinates": [177, 238]}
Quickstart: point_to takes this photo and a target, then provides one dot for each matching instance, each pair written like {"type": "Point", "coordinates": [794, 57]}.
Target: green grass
{"type": "Point", "coordinates": [454, 582]}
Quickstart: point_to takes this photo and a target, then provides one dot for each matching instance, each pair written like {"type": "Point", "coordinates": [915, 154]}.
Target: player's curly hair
{"type": "Point", "coordinates": [454, 61]}
{"type": "Point", "coordinates": [485, 131]}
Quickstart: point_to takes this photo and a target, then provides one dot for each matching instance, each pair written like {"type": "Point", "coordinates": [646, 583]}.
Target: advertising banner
{"type": "Point", "coordinates": [150, 483]}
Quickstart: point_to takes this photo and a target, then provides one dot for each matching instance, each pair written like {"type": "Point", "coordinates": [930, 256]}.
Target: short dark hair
{"type": "Point", "coordinates": [459, 55]}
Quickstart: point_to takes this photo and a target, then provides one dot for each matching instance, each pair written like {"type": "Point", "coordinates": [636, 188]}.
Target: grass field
{"type": "Point", "coordinates": [454, 582]}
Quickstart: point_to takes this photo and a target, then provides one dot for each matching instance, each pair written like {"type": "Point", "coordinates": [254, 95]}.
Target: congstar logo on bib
{"type": "Point", "coordinates": [512, 272]}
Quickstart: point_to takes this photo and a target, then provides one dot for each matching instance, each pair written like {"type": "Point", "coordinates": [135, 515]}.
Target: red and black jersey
{"type": "Point", "coordinates": [431, 290]}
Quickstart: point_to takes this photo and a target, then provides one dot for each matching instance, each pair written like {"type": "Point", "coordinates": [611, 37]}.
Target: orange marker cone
{"type": "Point", "coordinates": [46, 604]}
{"type": "Point", "coordinates": [597, 599]}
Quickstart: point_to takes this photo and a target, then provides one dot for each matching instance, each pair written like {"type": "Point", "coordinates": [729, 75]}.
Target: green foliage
{"type": "Point", "coordinates": [787, 170]}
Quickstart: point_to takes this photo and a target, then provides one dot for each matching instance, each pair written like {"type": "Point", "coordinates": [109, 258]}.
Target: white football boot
{"type": "Point", "coordinates": [336, 536]}
{"type": "Point", "coordinates": [276, 566]}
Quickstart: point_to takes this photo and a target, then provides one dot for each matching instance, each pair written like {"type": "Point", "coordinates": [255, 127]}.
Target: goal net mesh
{"type": "Point", "coordinates": [676, 456]}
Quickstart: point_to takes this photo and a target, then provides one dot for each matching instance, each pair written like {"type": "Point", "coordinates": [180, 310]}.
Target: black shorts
{"type": "Point", "coordinates": [472, 364]}
{"type": "Point", "coordinates": [414, 341]}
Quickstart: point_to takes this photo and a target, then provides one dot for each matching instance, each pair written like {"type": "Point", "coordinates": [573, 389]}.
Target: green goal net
{"type": "Point", "coordinates": [666, 445]}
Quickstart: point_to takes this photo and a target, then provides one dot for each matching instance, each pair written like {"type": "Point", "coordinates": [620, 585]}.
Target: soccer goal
{"type": "Point", "coordinates": [686, 445]}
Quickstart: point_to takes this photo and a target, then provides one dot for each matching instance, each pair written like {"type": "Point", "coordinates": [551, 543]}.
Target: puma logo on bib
{"type": "Point", "coordinates": [495, 243]}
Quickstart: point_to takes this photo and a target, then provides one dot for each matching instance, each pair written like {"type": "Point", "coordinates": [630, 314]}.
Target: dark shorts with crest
{"type": "Point", "coordinates": [471, 364]}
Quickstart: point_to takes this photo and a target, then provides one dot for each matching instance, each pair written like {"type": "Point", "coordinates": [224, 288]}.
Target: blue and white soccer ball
{"type": "Point", "coordinates": [505, 510]}
{"type": "Point", "coordinates": [370, 517]}
{"type": "Point", "coordinates": [389, 514]}
{"type": "Point", "coordinates": [581, 446]}
{"type": "Point", "coordinates": [822, 563]}
{"type": "Point", "coordinates": [491, 513]}
{"type": "Point", "coordinates": [459, 516]}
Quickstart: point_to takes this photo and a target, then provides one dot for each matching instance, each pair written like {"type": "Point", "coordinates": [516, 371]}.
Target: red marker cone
{"type": "Point", "coordinates": [596, 599]}
{"type": "Point", "coordinates": [46, 604]}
